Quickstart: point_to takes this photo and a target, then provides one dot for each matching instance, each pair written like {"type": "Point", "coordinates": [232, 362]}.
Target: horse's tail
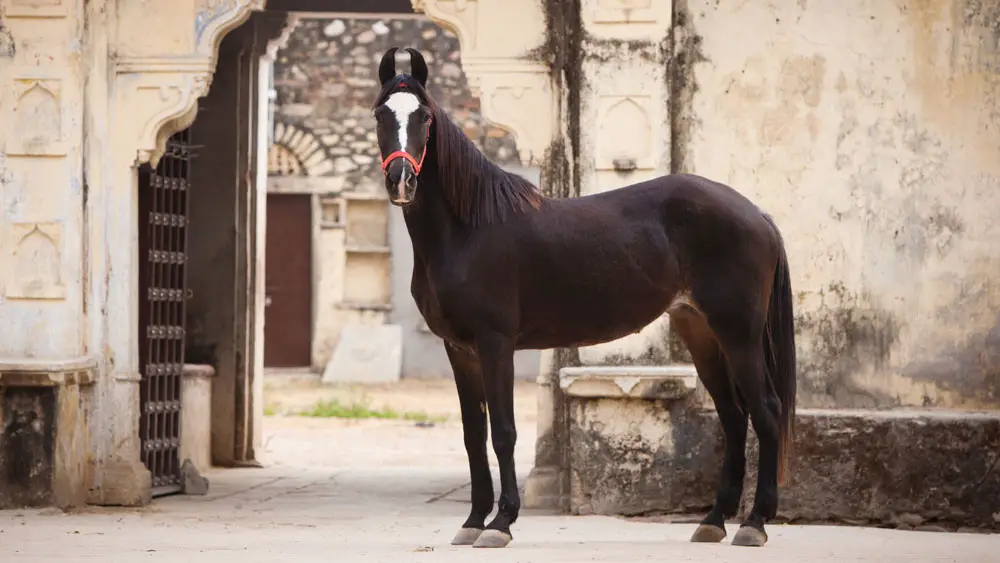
{"type": "Point", "coordinates": [779, 354]}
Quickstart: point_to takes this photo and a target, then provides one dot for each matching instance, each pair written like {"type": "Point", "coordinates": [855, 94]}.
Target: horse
{"type": "Point", "coordinates": [498, 267]}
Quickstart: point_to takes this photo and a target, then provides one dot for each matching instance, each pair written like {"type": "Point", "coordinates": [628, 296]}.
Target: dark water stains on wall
{"type": "Point", "coordinates": [602, 50]}
{"type": "Point", "coordinates": [846, 340]}
{"type": "Point", "coordinates": [981, 20]}
{"type": "Point", "coordinates": [686, 52]}
{"type": "Point", "coordinates": [7, 45]}
{"type": "Point", "coordinates": [562, 51]}
{"type": "Point", "coordinates": [651, 356]}
{"type": "Point", "coordinates": [635, 474]}
{"type": "Point", "coordinates": [971, 370]}
{"type": "Point", "coordinates": [26, 446]}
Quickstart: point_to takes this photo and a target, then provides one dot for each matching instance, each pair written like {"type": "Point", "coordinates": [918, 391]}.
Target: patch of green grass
{"type": "Point", "coordinates": [333, 408]}
{"type": "Point", "coordinates": [270, 410]}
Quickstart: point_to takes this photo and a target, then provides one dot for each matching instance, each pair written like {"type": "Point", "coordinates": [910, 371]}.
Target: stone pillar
{"type": "Point", "coordinates": [274, 36]}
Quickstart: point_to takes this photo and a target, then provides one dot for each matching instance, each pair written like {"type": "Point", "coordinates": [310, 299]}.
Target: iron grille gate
{"type": "Point", "coordinates": [163, 216]}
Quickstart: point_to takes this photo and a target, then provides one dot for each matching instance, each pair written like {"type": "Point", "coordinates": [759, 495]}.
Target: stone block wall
{"type": "Point", "coordinates": [327, 79]}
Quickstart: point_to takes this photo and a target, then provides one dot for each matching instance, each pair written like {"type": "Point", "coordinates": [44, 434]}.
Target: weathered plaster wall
{"type": "Point", "coordinates": [88, 92]}
{"type": "Point", "coordinates": [45, 377]}
{"type": "Point", "coordinates": [869, 130]}
{"type": "Point", "coordinates": [41, 188]}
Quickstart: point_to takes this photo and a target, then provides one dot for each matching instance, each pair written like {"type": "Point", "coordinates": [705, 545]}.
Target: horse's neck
{"type": "Point", "coordinates": [429, 221]}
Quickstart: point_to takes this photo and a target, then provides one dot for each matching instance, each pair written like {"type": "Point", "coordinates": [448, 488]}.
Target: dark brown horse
{"type": "Point", "coordinates": [497, 267]}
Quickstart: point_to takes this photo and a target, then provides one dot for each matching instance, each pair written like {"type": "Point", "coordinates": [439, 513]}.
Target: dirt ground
{"type": "Point", "coordinates": [291, 391]}
{"type": "Point", "coordinates": [292, 440]}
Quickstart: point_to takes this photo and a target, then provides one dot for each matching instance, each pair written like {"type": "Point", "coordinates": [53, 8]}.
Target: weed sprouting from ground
{"type": "Point", "coordinates": [358, 410]}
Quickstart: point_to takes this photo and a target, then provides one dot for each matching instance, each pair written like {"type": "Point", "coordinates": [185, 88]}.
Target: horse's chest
{"type": "Point", "coordinates": [438, 313]}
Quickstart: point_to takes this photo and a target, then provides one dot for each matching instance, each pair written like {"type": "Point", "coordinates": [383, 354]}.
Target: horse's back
{"type": "Point", "coordinates": [707, 225]}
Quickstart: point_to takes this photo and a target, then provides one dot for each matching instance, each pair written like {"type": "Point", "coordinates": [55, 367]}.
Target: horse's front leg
{"type": "Point", "coordinates": [496, 358]}
{"type": "Point", "coordinates": [471, 397]}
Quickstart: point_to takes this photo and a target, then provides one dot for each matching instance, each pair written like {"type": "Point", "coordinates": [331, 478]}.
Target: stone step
{"type": "Point", "coordinates": [671, 382]}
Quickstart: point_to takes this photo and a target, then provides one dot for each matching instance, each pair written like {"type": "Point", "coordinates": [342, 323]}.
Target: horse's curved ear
{"type": "Point", "coordinates": [387, 68]}
{"type": "Point", "coordinates": [418, 66]}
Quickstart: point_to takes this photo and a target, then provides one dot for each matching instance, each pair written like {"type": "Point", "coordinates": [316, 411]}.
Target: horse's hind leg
{"type": "Point", "coordinates": [472, 398]}
{"type": "Point", "coordinates": [746, 362]}
{"type": "Point", "coordinates": [713, 372]}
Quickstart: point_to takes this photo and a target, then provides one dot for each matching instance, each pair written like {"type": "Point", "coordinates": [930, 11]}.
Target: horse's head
{"type": "Point", "coordinates": [403, 124]}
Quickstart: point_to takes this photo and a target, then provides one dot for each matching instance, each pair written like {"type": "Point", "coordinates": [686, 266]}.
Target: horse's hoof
{"type": "Point", "coordinates": [492, 538]}
{"type": "Point", "coordinates": [748, 536]}
{"type": "Point", "coordinates": [707, 533]}
{"type": "Point", "coordinates": [466, 536]}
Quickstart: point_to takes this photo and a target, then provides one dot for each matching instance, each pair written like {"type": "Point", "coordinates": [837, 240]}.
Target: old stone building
{"type": "Point", "coordinates": [868, 130]}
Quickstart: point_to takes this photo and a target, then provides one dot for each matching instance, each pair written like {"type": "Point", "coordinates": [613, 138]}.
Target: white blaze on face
{"type": "Point", "coordinates": [402, 104]}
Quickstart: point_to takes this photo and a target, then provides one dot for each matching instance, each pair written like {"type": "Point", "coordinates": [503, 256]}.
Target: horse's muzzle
{"type": "Point", "coordinates": [400, 181]}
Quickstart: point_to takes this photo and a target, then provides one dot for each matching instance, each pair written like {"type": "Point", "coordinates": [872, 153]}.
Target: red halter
{"type": "Point", "coordinates": [403, 154]}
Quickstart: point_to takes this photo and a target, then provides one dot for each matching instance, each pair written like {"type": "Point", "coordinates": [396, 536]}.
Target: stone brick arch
{"type": "Point", "coordinates": [297, 151]}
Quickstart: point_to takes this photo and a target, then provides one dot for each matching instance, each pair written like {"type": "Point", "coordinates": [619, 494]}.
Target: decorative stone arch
{"type": "Point", "coordinates": [156, 91]}
{"type": "Point", "coordinates": [297, 150]}
{"type": "Point", "coordinates": [515, 91]}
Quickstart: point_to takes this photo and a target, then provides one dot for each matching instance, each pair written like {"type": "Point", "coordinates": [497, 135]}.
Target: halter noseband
{"type": "Point", "coordinates": [403, 154]}
{"type": "Point", "coordinates": [409, 157]}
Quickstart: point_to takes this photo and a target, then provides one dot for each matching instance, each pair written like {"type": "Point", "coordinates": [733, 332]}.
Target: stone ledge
{"type": "Point", "coordinates": [46, 408]}
{"type": "Point", "coordinates": [629, 382]}
{"type": "Point", "coordinates": [31, 372]}
{"type": "Point", "coordinates": [901, 468]}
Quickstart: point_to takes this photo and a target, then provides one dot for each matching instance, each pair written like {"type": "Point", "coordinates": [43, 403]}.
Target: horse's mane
{"type": "Point", "coordinates": [480, 192]}
{"type": "Point", "coordinates": [477, 191]}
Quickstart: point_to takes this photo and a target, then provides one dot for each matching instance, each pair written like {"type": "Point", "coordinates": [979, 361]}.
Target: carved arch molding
{"type": "Point", "coordinates": [160, 76]}
{"type": "Point", "coordinates": [515, 92]}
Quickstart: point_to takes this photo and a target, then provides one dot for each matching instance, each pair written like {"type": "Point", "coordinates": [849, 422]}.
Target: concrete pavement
{"type": "Point", "coordinates": [345, 491]}
{"type": "Point", "coordinates": [410, 514]}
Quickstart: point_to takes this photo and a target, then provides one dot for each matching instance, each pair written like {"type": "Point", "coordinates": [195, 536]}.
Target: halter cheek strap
{"type": "Point", "coordinates": [409, 157]}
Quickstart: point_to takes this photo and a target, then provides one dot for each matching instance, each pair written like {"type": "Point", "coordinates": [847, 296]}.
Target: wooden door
{"type": "Point", "coordinates": [288, 281]}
